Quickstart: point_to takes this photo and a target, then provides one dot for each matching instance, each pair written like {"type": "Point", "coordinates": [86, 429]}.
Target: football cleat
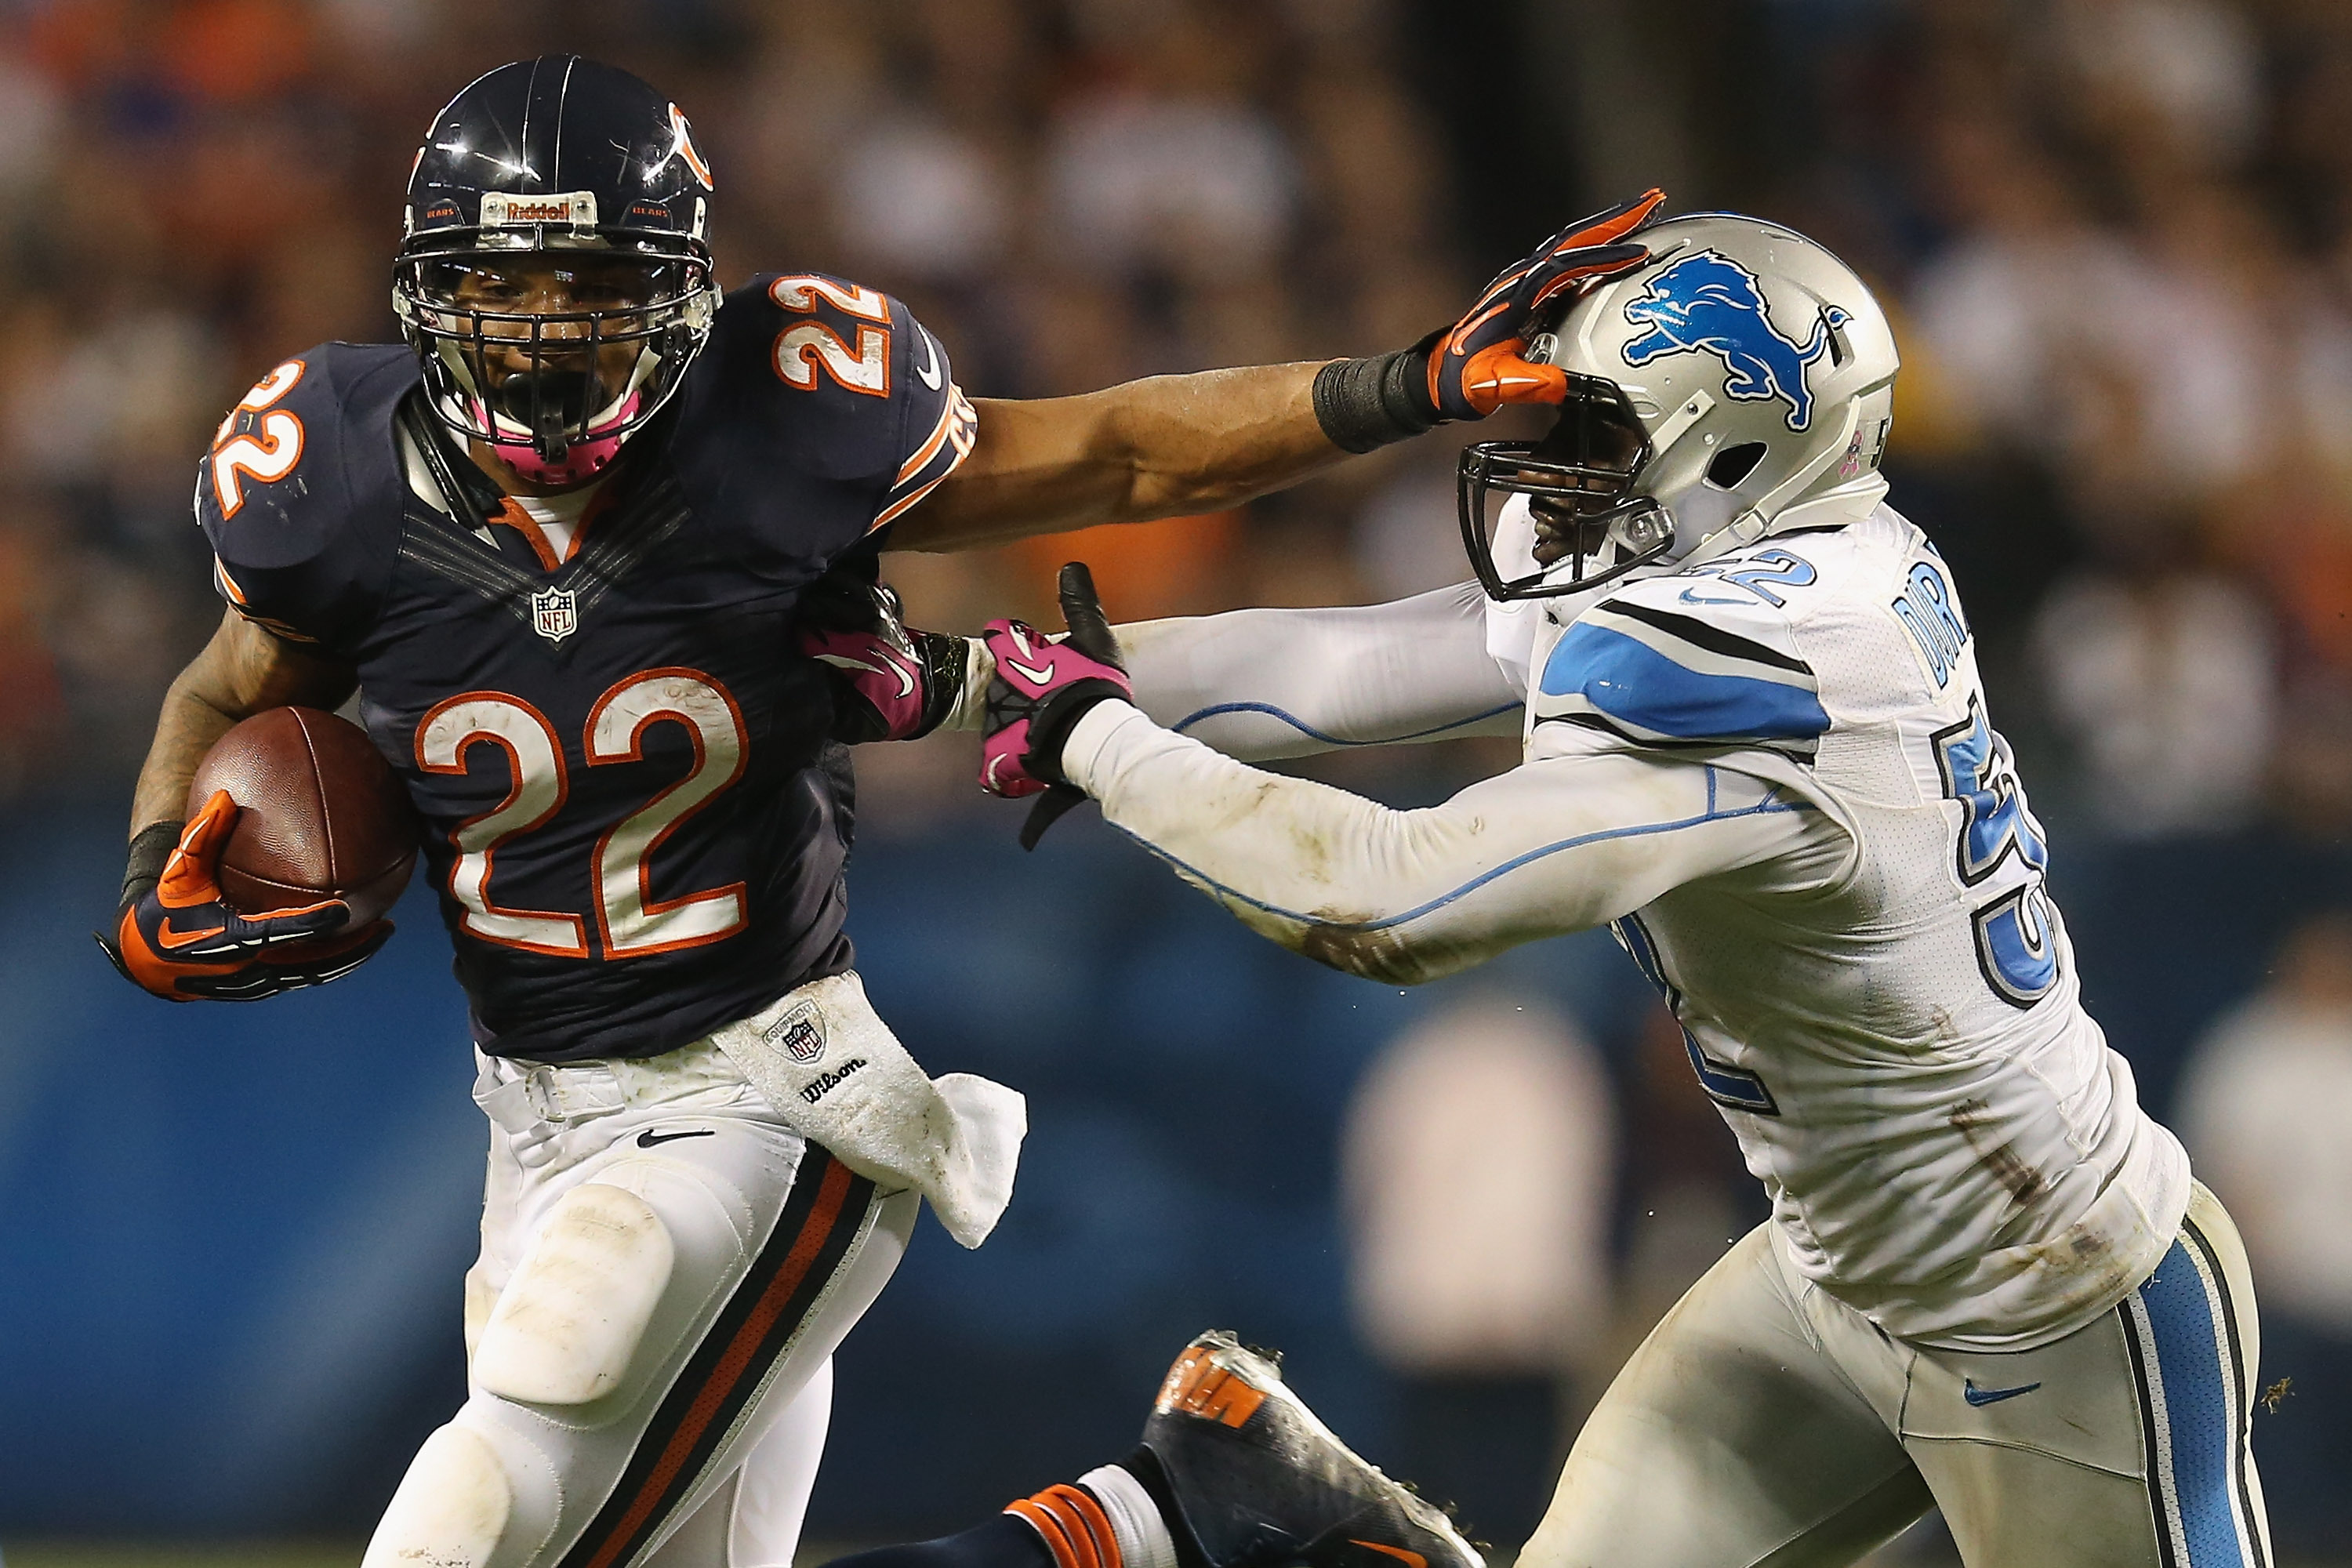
{"type": "Point", "coordinates": [1260, 1481]}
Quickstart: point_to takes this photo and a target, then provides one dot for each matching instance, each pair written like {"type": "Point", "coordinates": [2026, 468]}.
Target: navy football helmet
{"type": "Point", "coordinates": [553, 272]}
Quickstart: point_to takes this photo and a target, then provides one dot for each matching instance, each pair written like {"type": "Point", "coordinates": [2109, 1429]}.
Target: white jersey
{"type": "Point", "coordinates": [1774, 777]}
{"type": "Point", "coordinates": [1948, 1141]}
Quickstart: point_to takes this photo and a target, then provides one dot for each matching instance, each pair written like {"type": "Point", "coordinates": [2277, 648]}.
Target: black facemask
{"type": "Point", "coordinates": [1579, 481]}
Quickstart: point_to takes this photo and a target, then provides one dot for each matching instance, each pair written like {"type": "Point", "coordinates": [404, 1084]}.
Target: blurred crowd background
{"type": "Point", "coordinates": [2116, 239]}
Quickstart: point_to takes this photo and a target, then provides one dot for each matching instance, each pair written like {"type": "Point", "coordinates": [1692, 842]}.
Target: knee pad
{"type": "Point", "coordinates": [569, 1319]}
{"type": "Point", "coordinates": [451, 1507]}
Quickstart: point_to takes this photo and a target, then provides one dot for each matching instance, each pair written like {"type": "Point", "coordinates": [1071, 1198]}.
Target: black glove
{"type": "Point", "coordinates": [890, 682]}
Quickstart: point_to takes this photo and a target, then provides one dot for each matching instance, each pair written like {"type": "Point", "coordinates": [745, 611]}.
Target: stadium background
{"type": "Point", "coordinates": [2118, 238]}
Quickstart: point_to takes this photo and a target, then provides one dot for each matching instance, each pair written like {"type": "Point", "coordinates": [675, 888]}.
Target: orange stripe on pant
{"type": "Point", "coordinates": [740, 1353]}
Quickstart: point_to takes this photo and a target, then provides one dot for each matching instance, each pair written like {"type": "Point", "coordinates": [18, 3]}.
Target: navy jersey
{"type": "Point", "coordinates": [635, 817]}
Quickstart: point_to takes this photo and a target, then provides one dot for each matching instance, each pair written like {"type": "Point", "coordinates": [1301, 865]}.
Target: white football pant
{"type": "Point", "coordinates": [666, 1270]}
{"type": "Point", "coordinates": [1765, 1423]}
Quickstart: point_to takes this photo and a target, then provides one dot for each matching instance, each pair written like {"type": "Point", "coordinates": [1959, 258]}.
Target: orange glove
{"type": "Point", "coordinates": [177, 937]}
{"type": "Point", "coordinates": [1473, 366]}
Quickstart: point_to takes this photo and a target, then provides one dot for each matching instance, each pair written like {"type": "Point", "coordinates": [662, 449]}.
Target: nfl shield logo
{"type": "Point", "coordinates": [803, 1041]}
{"type": "Point", "coordinates": [799, 1034]}
{"type": "Point", "coordinates": [552, 615]}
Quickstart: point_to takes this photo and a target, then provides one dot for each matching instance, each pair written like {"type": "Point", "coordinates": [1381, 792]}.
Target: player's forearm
{"type": "Point", "coordinates": [1407, 896]}
{"type": "Point", "coordinates": [1164, 447]}
{"type": "Point", "coordinates": [240, 672]}
{"type": "Point", "coordinates": [1259, 684]}
{"type": "Point", "coordinates": [184, 730]}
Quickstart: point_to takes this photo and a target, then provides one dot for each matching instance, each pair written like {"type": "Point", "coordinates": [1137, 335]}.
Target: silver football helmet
{"type": "Point", "coordinates": [1714, 395]}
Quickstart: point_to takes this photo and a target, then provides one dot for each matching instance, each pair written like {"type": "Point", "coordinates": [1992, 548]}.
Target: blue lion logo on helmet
{"type": "Point", "coordinates": [1709, 302]}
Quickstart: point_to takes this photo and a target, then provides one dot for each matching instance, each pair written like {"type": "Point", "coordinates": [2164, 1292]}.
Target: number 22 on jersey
{"type": "Point", "coordinates": [268, 450]}
{"type": "Point", "coordinates": [630, 921]}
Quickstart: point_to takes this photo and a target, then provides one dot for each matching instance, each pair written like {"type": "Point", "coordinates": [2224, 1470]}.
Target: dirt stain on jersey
{"type": "Point", "coordinates": [2088, 1261]}
{"type": "Point", "coordinates": [1972, 1120]}
{"type": "Point", "coordinates": [1374, 953]}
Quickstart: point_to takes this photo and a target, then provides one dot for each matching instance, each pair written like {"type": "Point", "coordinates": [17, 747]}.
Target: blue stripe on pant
{"type": "Point", "coordinates": [2180, 1330]}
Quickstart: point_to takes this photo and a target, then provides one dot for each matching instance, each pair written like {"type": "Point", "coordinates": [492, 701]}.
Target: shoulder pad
{"type": "Point", "coordinates": [852, 387]}
{"type": "Point", "coordinates": [1686, 660]}
{"type": "Point", "coordinates": [299, 492]}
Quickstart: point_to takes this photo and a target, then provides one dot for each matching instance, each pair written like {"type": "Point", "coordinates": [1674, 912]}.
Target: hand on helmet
{"type": "Point", "coordinates": [890, 682]}
{"type": "Point", "coordinates": [178, 938]}
{"type": "Point", "coordinates": [1041, 690]}
{"type": "Point", "coordinates": [1474, 367]}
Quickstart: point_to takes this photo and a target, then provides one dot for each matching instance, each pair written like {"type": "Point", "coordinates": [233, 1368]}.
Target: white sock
{"type": "Point", "coordinates": [1135, 1521]}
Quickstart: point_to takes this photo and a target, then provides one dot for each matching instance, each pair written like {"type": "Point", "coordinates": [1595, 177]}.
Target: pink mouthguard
{"type": "Point", "coordinates": [583, 459]}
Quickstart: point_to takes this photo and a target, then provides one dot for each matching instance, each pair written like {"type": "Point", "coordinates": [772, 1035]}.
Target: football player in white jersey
{"type": "Point", "coordinates": [1757, 748]}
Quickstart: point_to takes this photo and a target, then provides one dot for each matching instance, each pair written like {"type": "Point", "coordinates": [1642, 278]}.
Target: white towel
{"type": "Point", "coordinates": [837, 1075]}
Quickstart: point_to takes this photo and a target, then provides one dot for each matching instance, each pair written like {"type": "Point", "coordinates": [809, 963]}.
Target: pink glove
{"type": "Point", "coordinates": [1039, 692]}
{"type": "Point", "coordinates": [893, 682]}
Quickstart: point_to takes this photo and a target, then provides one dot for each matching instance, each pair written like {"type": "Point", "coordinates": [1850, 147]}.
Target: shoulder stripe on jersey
{"type": "Point", "coordinates": [1705, 634]}
{"type": "Point", "coordinates": [1696, 656]}
{"type": "Point", "coordinates": [941, 453]}
{"type": "Point", "coordinates": [1590, 721]}
{"type": "Point", "coordinates": [1628, 680]}
{"type": "Point", "coordinates": [932, 444]}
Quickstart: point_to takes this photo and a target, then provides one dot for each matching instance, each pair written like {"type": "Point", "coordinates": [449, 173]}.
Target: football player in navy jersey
{"type": "Point", "coordinates": [574, 544]}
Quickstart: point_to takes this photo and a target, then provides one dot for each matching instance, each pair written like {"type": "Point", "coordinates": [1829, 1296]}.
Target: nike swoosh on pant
{"type": "Point", "coordinates": [649, 1138]}
{"type": "Point", "coordinates": [1409, 1559]}
{"type": "Point", "coordinates": [1975, 1395]}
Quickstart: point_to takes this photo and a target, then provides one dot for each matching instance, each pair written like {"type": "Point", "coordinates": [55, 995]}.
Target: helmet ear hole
{"type": "Point", "coordinates": [1733, 464]}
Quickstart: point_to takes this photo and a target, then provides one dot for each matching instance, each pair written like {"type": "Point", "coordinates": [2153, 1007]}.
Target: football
{"type": "Point", "coordinates": [321, 815]}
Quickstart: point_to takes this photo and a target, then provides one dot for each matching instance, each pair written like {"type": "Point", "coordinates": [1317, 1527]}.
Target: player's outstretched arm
{"type": "Point", "coordinates": [1255, 684]}
{"type": "Point", "coordinates": [1261, 684]}
{"type": "Point", "coordinates": [1163, 447]}
{"type": "Point", "coordinates": [1555, 845]}
{"type": "Point", "coordinates": [1173, 445]}
{"type": "Point", "coordinates": [1400, 897]}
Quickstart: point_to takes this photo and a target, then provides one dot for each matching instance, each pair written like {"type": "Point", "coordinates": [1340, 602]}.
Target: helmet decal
{"type": "Point", "coordinates": [1707, 303]}
{"type": "Point", "coordinates": [683, 147]}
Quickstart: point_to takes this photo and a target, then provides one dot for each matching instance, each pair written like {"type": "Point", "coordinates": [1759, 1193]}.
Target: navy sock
{"type": "Point", "coordinates": [1004, 1541]}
